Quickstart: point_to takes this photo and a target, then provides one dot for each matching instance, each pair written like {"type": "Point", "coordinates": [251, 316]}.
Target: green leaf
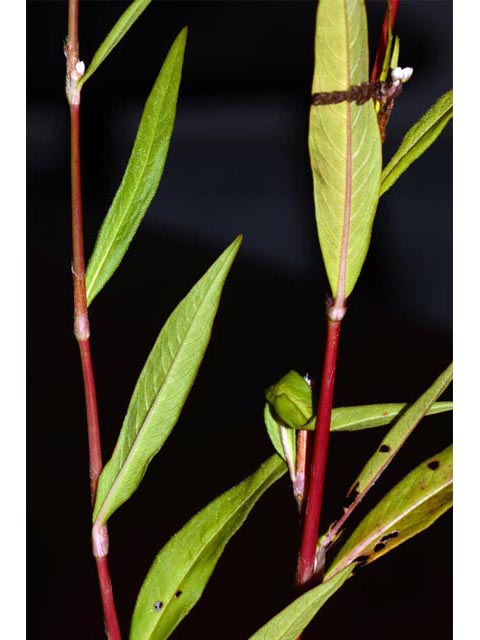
{"type": "Point", "coordinates": [418, 140]}
{"type": "Point", "coordinates": [345, 146]}
{"type": "Point", "coordinates": [162, 388]}
{"type": "Point", "coordinates": [375, 415]}
{"type": "Point", "coordinates": [121, 27]}
{"type": "Point", "coordinates": [180, 572]}
{"type": "Point", "coordinates": [291, 400]}
{"type": "Point", "coordinates": [398, 434]}
{"type": "Point", "coordinates": [284, 440]}
{"type": "Point", "coordinates": [289, 403]}
{"type": "Point", "coordinates": [410, 507]}
{"type": "Point", "coordinates": [289, 623]}
{"type": "Point", "coordinates": [273, 430]}
{"type": "Point", "coordinates": [143, 173]}
{"type": "Point", "coordinates": [395, 54]}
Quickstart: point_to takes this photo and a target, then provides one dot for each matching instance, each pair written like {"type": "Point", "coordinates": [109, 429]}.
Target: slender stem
{"type": "Point", "coordinates": [306, 560]}
{"type": "Point", "coordinates": [391, 13]}
{"type": "Point", "coordinates": [81, 321]}
{"type": "Point", "coordinates": [109, 611]}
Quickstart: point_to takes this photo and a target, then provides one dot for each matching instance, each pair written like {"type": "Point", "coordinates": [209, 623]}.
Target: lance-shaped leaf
{"type": "Point", "coordinates": [162, 388]}
{"type": "Point", "coordinates": [289, 403]}
{"type": "Point", "coordinates": [397, 436]}
{"type": "Point", "coordinates": [418, 140]}
{"type": "Point", "coordinates": [143, 173]}
{"type": "Point", "coordinates": [180, 572]}
{"type": "Point", "coordinates": [376, 415]}
{"type": "Point", "coordinates": [289, 623]}
{"type": "Point", "coordinates": [123, 24]}
{"type": "Point", "coordinates": [410, 507]}
{"type": "Point", "coordinates": [344, 143]}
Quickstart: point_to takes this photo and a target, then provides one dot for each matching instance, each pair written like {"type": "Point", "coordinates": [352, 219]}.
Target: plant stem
{"type": "Point", "coordinates": [391, 13]}
{"type": "Point", "coordinates": [81, 321]}
{"type": "Point", "coordinates": [316, 483]}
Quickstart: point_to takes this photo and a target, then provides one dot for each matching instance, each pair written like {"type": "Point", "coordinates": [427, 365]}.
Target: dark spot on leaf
{"type": "Point", "coordinates": [380, 546]}
{"type": "Point", "coordinates": [178, 594]}
{"type": "Point", "coordinates": [158, 605]}
{"type": "Point", "coordinates": [389, 536]}
{"type": "Point", "coordinates": [352, 495]}
{"type": "Point", "coordinates": [362, 559]}
{"type": "Point", "coordinates": [384, 448]}
{"type": "Point", "coordinates": [434, 464]}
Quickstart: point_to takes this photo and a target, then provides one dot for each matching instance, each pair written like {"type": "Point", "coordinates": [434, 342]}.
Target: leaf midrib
{"type": "Point", "coordinates": [145, 421]}
{"type": "Point", "coordinates": [204, 546]}
{"type": "Point", "coordinates": [378, 533]}
{"type": "Point", "coordinates": [405, 418]}
{"type": "Point", "coordinates": [342, 266]}
{"type": "Point", "coordinates": [414, 143]}
{"type": "Point", "coordinates": [138, 182]}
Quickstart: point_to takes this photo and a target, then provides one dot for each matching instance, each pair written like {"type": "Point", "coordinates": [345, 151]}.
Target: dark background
{"type": "Point", "coordinates": [238, 163]}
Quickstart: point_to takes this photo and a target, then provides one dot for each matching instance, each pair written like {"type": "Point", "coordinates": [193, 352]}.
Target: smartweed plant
{"type": "Point", "coordinates": [350, 110]}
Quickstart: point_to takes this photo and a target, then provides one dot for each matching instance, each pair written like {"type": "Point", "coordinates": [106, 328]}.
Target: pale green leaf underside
{"type": "Point", "coordinates": [344, 143]}
{"type": "Point", "coordinates": [418, 140]}
{"type": "Point", "coordinates": [410, 507]}
{"type": "Point", "coordinates": [123, 24]}
{"type": "Point", "coordinates": [289, 623]}
{"type": "Point", "coordinates": [273, 430]}
{"type": "Point", "coordinates": [162, 387]}
{"type": "Point", "coordinates": [142, 175]}
{"type": "Point", "coordinates": [180, 572]}
{"type": "Point", "coordinates": [376, 415]}
{"type": "Point", "coordinates": [400, 431]}
{"type": "Point", "coordinates": [289, 403]}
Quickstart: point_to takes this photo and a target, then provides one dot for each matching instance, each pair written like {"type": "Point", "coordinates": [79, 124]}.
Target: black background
{"type": "Point", "coordinates": [238, 163]}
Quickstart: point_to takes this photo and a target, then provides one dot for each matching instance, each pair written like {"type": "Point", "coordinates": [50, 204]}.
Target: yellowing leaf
{"type": "Point", "coordinates": [345, 146]}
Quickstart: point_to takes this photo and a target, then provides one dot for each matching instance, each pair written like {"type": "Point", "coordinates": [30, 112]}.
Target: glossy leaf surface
{"type": "Point", "coordinates": [183, 567]}
{"type": "Point", "coordinates": [162, 387]}
{"type": "Point", "coordinates": [398, 434]}
{"type": "Point", "coordinates": [418, 139]}
{"type": "Point", "coordinates": [122, 26]}
{"type": "Point", "coordinates": [344, 143]}
{"type": "Point", "coordinates": [410, 507]}
{"type": "Point", "coordinates": [143, 173]}
{"type": "Point", "coordinates": [289, 623]}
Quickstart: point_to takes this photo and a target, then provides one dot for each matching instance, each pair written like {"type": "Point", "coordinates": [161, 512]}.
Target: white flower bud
{"type": "Point", "coordinates": [407, 74]}
{"type": "Point", "coordinates": [80, 67]}
{"type": "Point", "coordinates": [397, 74]}
{"type": "Point", "coordinates": [401, 75]}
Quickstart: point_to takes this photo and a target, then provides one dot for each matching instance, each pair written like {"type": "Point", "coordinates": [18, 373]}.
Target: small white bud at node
{"type": "Point", "coordinates": [397, 73]}
{"type": "Point", "coordinates": [407, 74]}
{"type": "Point", "coordinates": [80, 67]}
{"type": "Point", "coordinates": [401, 75]}
{"type": "Point", "coordinates": [307, 379]}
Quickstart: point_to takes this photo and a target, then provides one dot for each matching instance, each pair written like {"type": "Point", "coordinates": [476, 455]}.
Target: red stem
{"type": "Point", "coordinates": [382, 43]}
{"type": "Point", "coordinates": [109, 611]}
{"type": "Point", "coordinates": [306, 560]}
{"type": "Point", "coordinates": [81, 321]}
